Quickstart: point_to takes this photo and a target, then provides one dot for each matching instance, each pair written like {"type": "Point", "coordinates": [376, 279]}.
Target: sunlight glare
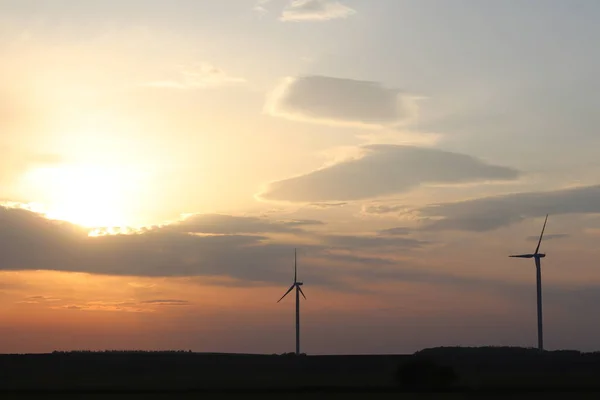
{"type": "Point", "coordinates": [88, 195]}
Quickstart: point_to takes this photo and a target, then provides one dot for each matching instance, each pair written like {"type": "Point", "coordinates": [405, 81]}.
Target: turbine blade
{"type": "Point", "coordinates": [522, 255]}
{"type": "Point", "coordinates": [301, 292]}
{"type": "Point", "coordinates": [540, 241]}
{"type": "Point", "coordinates": [295, 267]}
{"type": "Point", "coordinates": [286, 293]}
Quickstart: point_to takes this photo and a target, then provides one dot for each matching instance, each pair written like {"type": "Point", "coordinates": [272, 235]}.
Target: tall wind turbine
{"type": "Point", "coordinates": [299, 291]}
{"type": "Point", "coordinates": [537, 256]}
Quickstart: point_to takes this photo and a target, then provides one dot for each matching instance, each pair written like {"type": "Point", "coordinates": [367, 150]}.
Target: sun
{"type": "Point", "coordinates": [92, 196]}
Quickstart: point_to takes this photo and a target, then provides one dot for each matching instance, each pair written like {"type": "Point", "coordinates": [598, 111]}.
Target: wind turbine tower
{"type": "Point", "coordinates": [537, 256]}
{"type": "Point", "coordinates": [299, 291]}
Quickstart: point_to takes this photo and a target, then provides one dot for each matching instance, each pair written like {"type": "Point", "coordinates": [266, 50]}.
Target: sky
{"type": "Point", "coordinates": [160, 161]}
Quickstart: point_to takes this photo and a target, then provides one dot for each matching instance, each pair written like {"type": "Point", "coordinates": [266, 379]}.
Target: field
{"type": "Point", "coordinates": [405, 396]}
{"type": "Point", "coordinates": [472, 371]}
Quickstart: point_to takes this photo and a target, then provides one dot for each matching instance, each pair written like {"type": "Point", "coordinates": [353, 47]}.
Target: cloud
{"type": "Point", "coordinates": [29, 241]}
{"type": "Point", "coordinates": [139, 285]}
{"type": "Point", "coordinates": [399, 135]}
{"type": "Point", "coordinates": [399, 231]}
{"type": "Point", "coordinates": [39, 299]}
{"type": "Point", "coordinates": [315, 10]}
{"type": "Point", "coordinates": [8, 287]}
{"type": "Point", "coordinates": [260, 8]}
{"type": "Point", "coordinates": [348, 259]}
{"type": "Point", "coordinates": [328, 205]}
{"type": "Point", "coordinates": [167, 302]}
{"type": "Point", "coordinates": [201, 76]}
{"type": "Point", "coordinates": [230, 224]}
{"type": "Point", "coordinates": [126, 306]}
{"type": "Point", "coordinates": [350, 241]}
{"type": "Point", "coordinates": [548, 237]}
{"type": "Point", "coordinates": [106, 306]}
{"type": "Point", "coordinates": [383, 208]}
{"type": "Point", "coordinates": [489, 213]}
{"type": "Point", "coordinates": [338, 101]}
{"type": "Point", "coordinates": [385, 170]}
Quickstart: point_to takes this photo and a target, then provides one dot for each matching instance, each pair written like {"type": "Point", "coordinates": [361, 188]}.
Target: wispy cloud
{"type": "Point", "coordinates": [365, 241]}
{"type": "Point", "coordinates": [398, 231]}
{"type": "Point", "coordinates": [113, 306]}
{"type": "Point", "coordinates": [140, 285]}
{"type": "Point", "coordinates": [230, 224]}
{"type": "Point", "coordinates": [549, 237]}
{"type": "Point", "coordinates": [316, 10]}
{"type": "Point", "coordinates": [328, 205]}
{"type": "Point", "coordinates": [122, 306]}
{"type": "Point", "coordinates": [384, 209]}
{"type": "Point", "coordinates": [39, 299]}
{"type": "Point", "coordinates": [167, 302]}
{"type": "Point", "coordinates": [376, 208]}
{"type": "Point", "coordinates": [260, 6]}
{"type": "Point", "coordinates": [200, 76]}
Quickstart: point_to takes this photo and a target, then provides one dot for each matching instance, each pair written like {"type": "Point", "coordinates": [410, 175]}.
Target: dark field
{"type": "Point", "coordinates": [294, 396]}
{"type": "Point", "coordinates": [461, 372]}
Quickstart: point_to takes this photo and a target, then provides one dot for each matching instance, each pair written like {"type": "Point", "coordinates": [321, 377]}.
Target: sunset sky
{"type": "Point", "coordinates": [160, 160]}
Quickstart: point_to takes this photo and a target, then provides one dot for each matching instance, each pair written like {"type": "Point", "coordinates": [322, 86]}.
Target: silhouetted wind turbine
{"type": "Point", "coordinates": [299, 291]}
{"type": "Point", "coordinates": [537, 256]}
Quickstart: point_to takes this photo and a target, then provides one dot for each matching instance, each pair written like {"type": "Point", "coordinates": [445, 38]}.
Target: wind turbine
{"type": "Point", "coordinates": [537, 256]}
{"type": "Point", "coordinates": [299, 291]}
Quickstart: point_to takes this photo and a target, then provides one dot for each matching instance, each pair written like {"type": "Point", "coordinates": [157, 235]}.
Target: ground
{"type": "Point", "coordinates": [441, 369]}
